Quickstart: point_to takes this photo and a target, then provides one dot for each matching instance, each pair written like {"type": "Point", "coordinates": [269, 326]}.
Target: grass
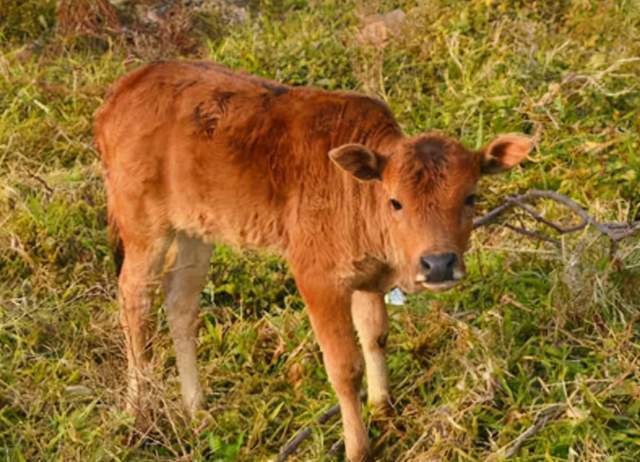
{"type": "Point", "coordinates": [531, 328]}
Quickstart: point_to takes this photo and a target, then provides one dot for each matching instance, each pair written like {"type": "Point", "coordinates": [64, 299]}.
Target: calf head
{"type": "Point", "coordinates": [428, 191]}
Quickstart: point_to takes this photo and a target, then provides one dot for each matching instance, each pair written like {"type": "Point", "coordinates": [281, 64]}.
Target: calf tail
{"type": "Point", "coordinates": [113, 232]}
{"type": "Point", "coordinates": [116, 242]}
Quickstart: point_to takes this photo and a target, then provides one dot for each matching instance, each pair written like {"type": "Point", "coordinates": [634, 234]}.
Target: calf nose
{"type": "Point", "coordinates": [438, 267]}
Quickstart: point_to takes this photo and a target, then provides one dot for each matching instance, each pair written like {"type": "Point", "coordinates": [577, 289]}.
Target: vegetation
{"type": "Point", "coordinates": [533, 332]}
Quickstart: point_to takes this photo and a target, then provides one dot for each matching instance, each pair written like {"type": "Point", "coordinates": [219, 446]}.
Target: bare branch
{"type": "Point", "coordinates": [539, 218]}
{"type": "Point", "coordinates": [549, 414]}
{"type": "Point", "coordinates": [533, 234]}
{"type": "Point", "coordinates": [614, 231]}
{"type": "Point", "coordinates": [303, 434]}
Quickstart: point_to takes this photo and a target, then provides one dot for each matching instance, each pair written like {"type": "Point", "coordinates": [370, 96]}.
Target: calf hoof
{"type": "Point", "coordinates": [141, 411]}
{"type": "Point", "coordinates": [359, 452]}
{"type": "Point", "coordinates": [383, 409]}
{"type": "Point", "coordinates": [366, 457]}
{"type": "Point", "coordinates": [193, 405]}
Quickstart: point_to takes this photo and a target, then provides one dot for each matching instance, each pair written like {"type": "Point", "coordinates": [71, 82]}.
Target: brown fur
{"type": "Point", "coordinates": [197, 153]}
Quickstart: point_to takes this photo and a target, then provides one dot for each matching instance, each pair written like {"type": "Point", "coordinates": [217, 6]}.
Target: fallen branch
{"type": "Point", "coordinates": [509, 450]}
{"type": "Point", "coordinates": [614, 231]}
{"type": "Point", "coordinates": [303, 434]}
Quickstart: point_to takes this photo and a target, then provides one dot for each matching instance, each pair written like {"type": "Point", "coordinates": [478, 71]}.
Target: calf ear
{"type": "Point", "coordinates": [505, 152]}
{"type": "Point", "coordinates": [361, 162]}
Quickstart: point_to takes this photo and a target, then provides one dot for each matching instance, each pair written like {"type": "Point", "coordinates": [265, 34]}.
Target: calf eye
{"type": "Point", "coordinates": [395, 204]}
{"type": "Point", "coordinates": [470, 200]}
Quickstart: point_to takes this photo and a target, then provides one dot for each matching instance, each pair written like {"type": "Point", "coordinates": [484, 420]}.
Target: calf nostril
{"type": "Point", "coordinates": [425, 263]}
{"type": "Point", "coordinates": [451, 260]}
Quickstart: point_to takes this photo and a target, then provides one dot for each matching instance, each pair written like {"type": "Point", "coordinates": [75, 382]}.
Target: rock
{"type": "Point", "coordinates": [379, 29]}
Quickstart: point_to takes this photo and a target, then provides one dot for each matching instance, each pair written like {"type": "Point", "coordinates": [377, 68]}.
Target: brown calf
{"type": "Point", "coordinates": [194, 153]}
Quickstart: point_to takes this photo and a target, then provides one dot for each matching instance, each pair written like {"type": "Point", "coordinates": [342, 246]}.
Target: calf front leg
{"type": "Point", "coordinates": [370, 318]}
{"type": "Point", "coordinates": [330, 314]}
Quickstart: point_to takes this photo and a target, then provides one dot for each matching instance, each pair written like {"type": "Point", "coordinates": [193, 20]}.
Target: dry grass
{"type": "Point", "coordinates": [87, 17]}
{"type": "Point", "coordinates": [534, 333]}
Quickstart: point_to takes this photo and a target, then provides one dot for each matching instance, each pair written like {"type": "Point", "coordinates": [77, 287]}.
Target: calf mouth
{"type": "Point", "coordinates": [439, 286]}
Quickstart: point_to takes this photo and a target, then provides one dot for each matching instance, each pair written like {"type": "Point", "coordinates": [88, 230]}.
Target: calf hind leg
{"type": "Point", "coordinates": [183, 284]}
{"type": "Point", "coordinates": [138, 281]}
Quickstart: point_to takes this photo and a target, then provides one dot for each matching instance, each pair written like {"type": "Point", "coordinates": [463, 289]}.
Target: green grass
{"type": "Point", "coordinates": [533, 326]}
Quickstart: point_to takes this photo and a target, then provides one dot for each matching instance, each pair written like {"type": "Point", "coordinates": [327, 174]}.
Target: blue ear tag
{"type": "Point", "coordinates": [395, 297]}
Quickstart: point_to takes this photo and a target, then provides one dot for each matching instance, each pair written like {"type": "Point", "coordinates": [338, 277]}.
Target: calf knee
{"type": "Point", "coordinates": [346, 376]}
{"type": "Point", "coordinates": [381, 341]}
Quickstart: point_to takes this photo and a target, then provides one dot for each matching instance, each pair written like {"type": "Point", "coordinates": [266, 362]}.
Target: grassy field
{"type": "Point", "coordinates": [537, 336]}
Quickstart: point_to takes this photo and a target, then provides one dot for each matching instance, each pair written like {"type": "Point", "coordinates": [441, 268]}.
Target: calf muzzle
{"type": "Point", "coordinates": [438, 267]}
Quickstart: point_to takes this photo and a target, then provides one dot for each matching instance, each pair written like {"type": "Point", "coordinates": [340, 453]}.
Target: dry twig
{"type": "Point", "coordinates": [303, 434]}
{"type": "Point", "coordinates": [552, 413]}
{"type": "Point", "coordinates": [614, 231]}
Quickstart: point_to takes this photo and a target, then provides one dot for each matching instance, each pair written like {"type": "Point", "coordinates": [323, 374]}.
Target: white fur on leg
{"type": "Point", "coordinates": [370, 319]}
{"type": "Point", "coordinates": [183, 284]}
{"type": "Point", "coordinates": [185, 348]}
{"type": "Point", "coordinates": [377, 379]}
